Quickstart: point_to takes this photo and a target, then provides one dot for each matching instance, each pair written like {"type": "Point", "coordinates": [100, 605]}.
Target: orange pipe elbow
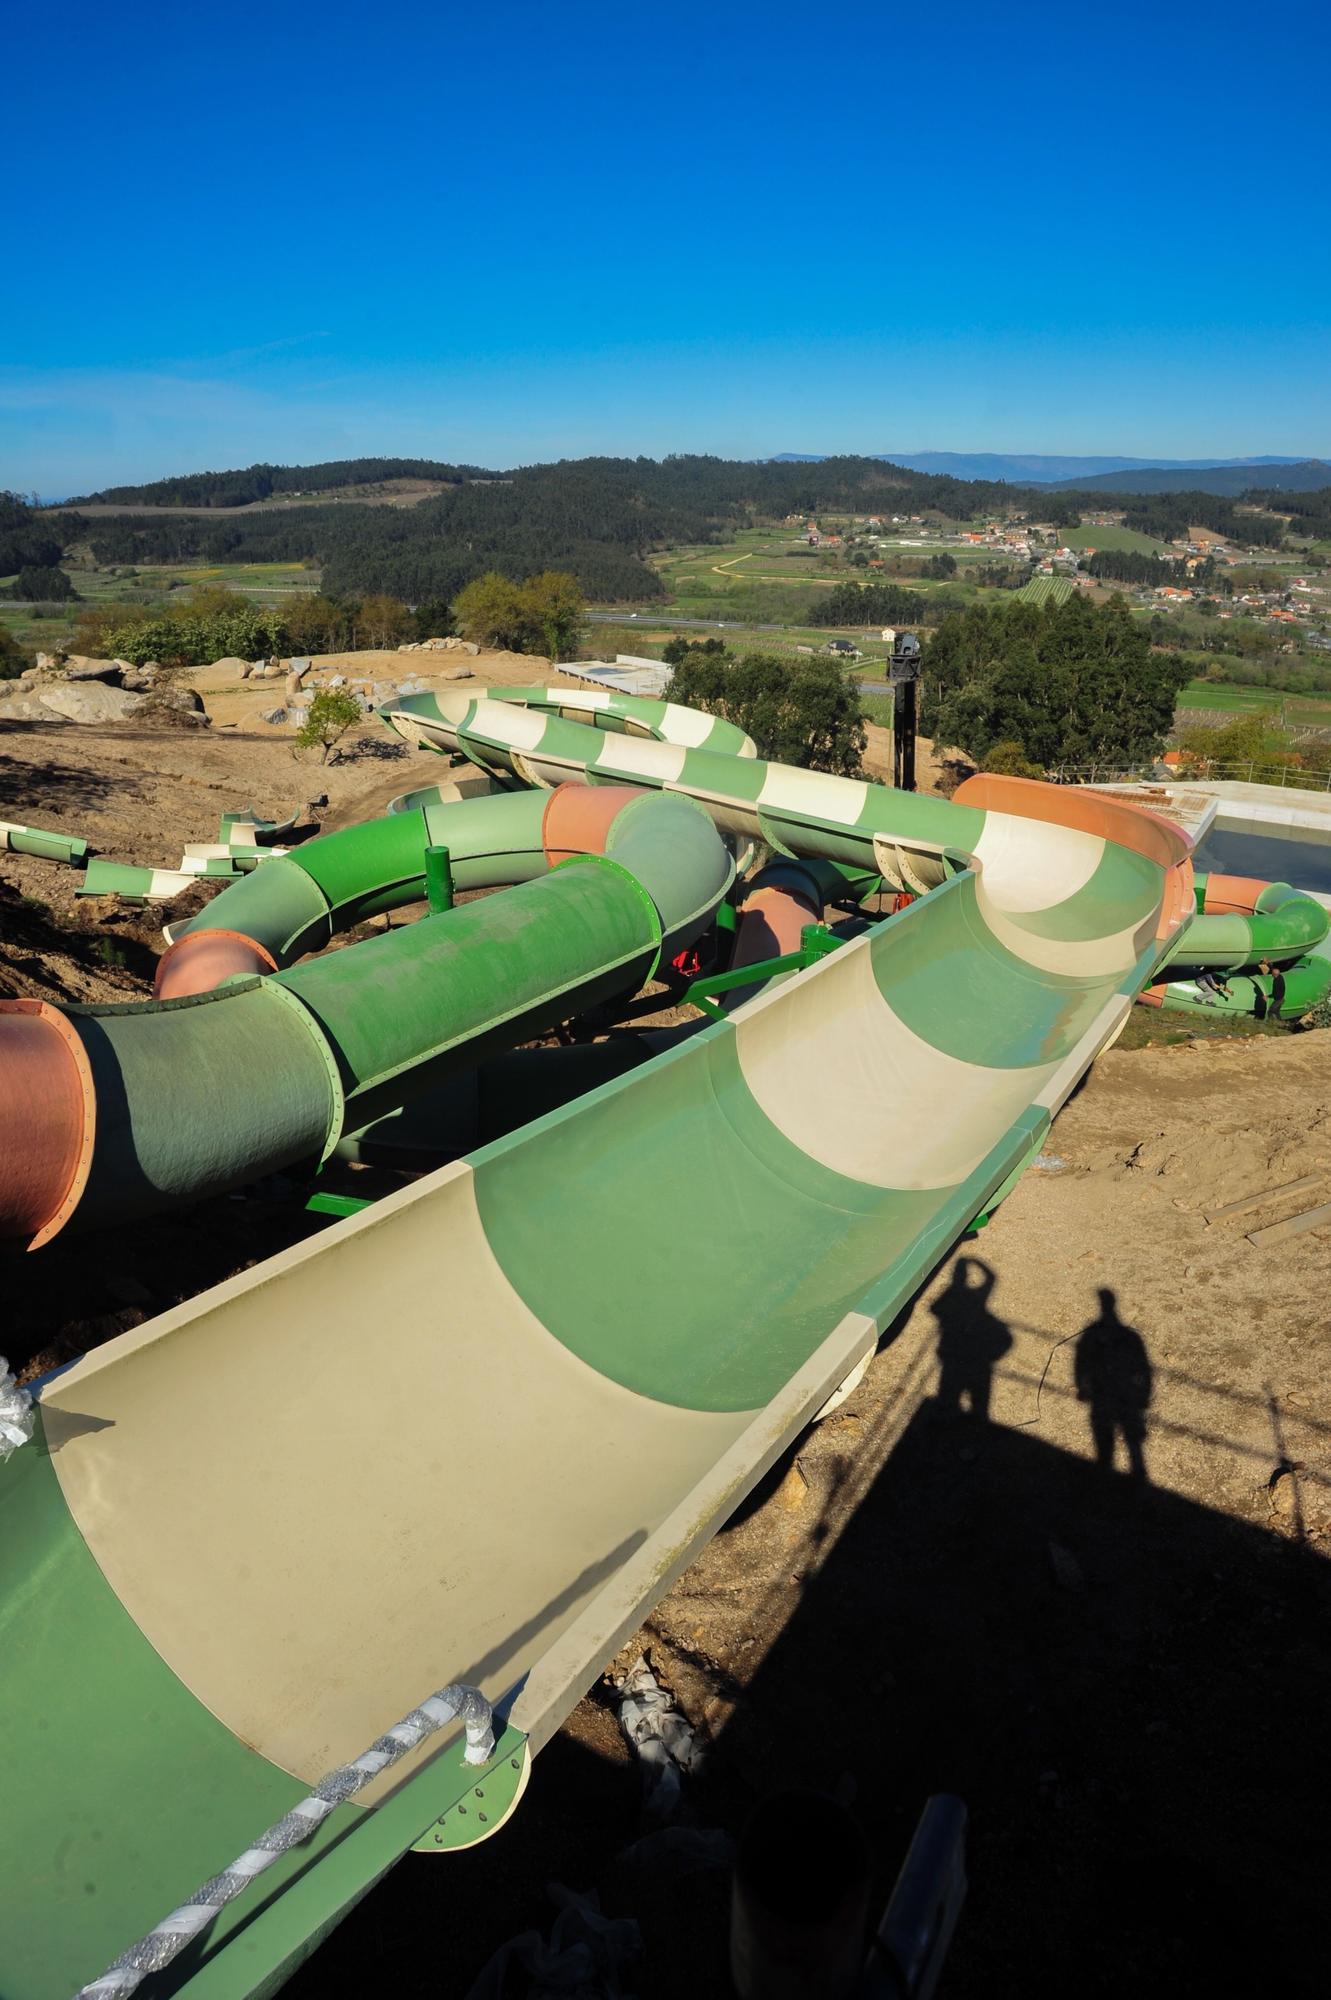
{"type": "Point", "coordinates": [47, 1119]}
{"type": "Point", "coordinates": [201, 960]}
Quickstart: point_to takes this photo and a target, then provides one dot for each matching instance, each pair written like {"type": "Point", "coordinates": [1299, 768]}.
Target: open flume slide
{"type": "Point", "coordinates": [474, 1432]}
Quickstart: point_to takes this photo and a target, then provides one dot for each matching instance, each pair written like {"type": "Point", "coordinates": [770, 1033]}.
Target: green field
{"type": "Point", "coordinates": [1046, 590]}
{"type": "Point", "coordinates": [1113, 538]}
{"type": "Point", "coordinates": [1293, 711]}
{"type": "Point", "coordinates": [51, 626]}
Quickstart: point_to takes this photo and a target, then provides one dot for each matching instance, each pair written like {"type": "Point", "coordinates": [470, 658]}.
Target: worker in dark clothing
{"type": "Point", "coordinates": [1275, 1007]}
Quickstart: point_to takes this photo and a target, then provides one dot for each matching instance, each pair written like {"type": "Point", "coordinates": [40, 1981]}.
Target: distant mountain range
{"type": "Point", "coordinates": [1305, 475]}
{"type": "Point", "coordinates": [1107, 474]}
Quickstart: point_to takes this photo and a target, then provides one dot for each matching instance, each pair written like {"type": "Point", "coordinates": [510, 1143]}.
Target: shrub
{"type": "Point", "coordinates": [332, 713]}
{"type": "Point", "coordinates": [13, 659]}
{"type": "Point", "coordinates": [1009, 760]}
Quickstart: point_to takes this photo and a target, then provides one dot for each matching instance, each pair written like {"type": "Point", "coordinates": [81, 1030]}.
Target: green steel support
{"type": "Point", "coordinates": [816, 942]}
{"type": "Point", "coordinates": [438, 879]}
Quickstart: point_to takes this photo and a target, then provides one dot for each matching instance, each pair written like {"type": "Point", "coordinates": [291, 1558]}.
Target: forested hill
{"type": "Point", "coordinates": [1308, 476]}
{"type": "Point", "coordinates": [268, 482]}
{"type": "Point", "coordinates": [598, 517]}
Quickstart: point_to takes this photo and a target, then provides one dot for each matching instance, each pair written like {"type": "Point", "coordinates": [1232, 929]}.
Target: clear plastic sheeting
{"type": "Point", "coordinates": [661, 1739]}
{"type": "Point", "coordinates": [168, 1939]}
{"type": "Point", "coordinates": [18, 1419]}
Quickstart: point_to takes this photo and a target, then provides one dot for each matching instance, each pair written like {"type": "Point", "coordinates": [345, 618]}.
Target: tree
{"type": "Point", "coordinates": [332, 713]}
{"type": "Point", "coordinates": [12, 657]}
{"type": "Point", "coordinates": [315, 623]}
{"type": "Point", "coordinates": [1008, 760]}
{"type": "Point", "coordinates": [542, 615]}
{"type": "Point", "coordinates": [803, 712]}
{"type": "Point", "coordinates": [489, 611]}
{"type": "Point", "coordinates": [433, 619]}
{"type": "Point", "coordinates": [553, 606]}
{"type": "Point", "coordinates": [679, 649]}
{"type": "Point", "coordinates": [383, 620]}
{"type": "Point", "coordinates": [42, 585]}
{"type": "Point", "coordinates": [1070, 684]}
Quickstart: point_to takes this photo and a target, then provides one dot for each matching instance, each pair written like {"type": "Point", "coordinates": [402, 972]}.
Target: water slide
{"type": "Point", "coordinates": [474, 1432]}
{"type": "Point", "coordinates": [49, 846]}
{"type": "Point", "coordinates": [1242, 923]}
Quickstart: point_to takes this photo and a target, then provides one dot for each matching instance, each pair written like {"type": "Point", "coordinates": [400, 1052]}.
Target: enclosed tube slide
{"type": "Point", "coordinates": [107, 1113]}
{"type": "Point", "coordinates": [1242, 922]}
{"type": "Point", "coordinates": [226, 1564]}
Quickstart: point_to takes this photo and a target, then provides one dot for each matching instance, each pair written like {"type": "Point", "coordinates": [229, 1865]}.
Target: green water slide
{"type": "Point", "coordinates": [1285, 927]}
{"type": "Point", "coordinates": [474, 1432]}
{"type": "Point", "coordinates": [65, 847]}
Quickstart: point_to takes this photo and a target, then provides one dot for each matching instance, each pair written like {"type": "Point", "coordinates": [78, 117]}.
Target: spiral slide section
{"type": "Point", "coordinates": [474, 1432]}
{"type": "Point", "coordinates": [110, 1113]}
{"type": "Point", "coordinates": [1242, 921]}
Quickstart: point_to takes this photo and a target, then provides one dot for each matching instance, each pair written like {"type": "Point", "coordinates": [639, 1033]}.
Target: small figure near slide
{"type": "Point", "coordinates": [1211, 988]}
{"type": "Point", "coordinates": [1274, 1006]}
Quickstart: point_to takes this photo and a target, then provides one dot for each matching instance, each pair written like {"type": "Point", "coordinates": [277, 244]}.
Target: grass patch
{"type": "Point", "coordinates": [1161, 1027]}
{"type": "Point", "coordinates": [1046, 590]}
{"type": "Point", "coordinates": [1113, 538]}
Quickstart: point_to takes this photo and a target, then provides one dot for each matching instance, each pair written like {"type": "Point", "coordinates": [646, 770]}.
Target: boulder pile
{"type": "Point", "coordinates": [78, 689]}
{"type": "Point", "coordinates": [440, 646]}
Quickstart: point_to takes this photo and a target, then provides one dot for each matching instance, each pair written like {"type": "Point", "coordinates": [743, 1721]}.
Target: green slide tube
{"type": "Point", "coordinates": [297, 903]}
{"type": "Point", "coordinates": [1307, 982]}
{"type": "Point", "coordinates": [173, 1112]}
{"type": "Point", "coordinates": [1286, 927]}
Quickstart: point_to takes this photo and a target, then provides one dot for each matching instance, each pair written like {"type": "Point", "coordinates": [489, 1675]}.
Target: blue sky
{"type": "Point", "coordinates": [524, 231]}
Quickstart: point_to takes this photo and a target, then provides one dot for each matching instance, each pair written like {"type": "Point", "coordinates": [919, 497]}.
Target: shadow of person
{"type": "Point", "coordinates": [1113, 1374]}
{"type": "Point", "coordinates": [971, 1340]}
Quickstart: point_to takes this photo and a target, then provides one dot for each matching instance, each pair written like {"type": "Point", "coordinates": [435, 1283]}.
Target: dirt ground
{"type": "Point", "coordinates": [139, 794]}
{"type": "Point", "coordinates": [944, 1587]}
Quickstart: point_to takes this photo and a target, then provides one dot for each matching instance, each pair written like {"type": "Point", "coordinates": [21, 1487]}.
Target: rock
{"type": "Point", "coordinates": [459, 674]}
{"type": "Point", "coordinates": [229, 664]}
{"type": "Point", "coordinates": [337, 681]}
{"type": "Point", "coordinates": [77, 668]}
{"type": "Point", "coordinates": [24, 708]}
{"type": "Point", "coordinates": [47, 662]}
{"type": "Point", "coordinates": [139, 680]}
{"type": "Point", "coordinates": [175, 695]}
{"type": "Point", "coordinates": [93, 701]}
{"type": "Point", "coordinates": [466, 646]}
{"type": "Point", "coordinates": [274, 715]}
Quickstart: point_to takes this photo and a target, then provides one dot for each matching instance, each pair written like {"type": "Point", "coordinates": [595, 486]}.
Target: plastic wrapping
{"type": "Point", "coordinates": [18, 1419]}
{"type": "Point", "coordinates": [168, 1939]}
{"type": "Point", "coordinates": [660, 1737]}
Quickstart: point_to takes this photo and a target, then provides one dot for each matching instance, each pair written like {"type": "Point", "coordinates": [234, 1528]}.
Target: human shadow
{"type": "Point", "coordinates": [971, 1340]}
{"type": "Point", "coordinates": [1113, 1375]}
